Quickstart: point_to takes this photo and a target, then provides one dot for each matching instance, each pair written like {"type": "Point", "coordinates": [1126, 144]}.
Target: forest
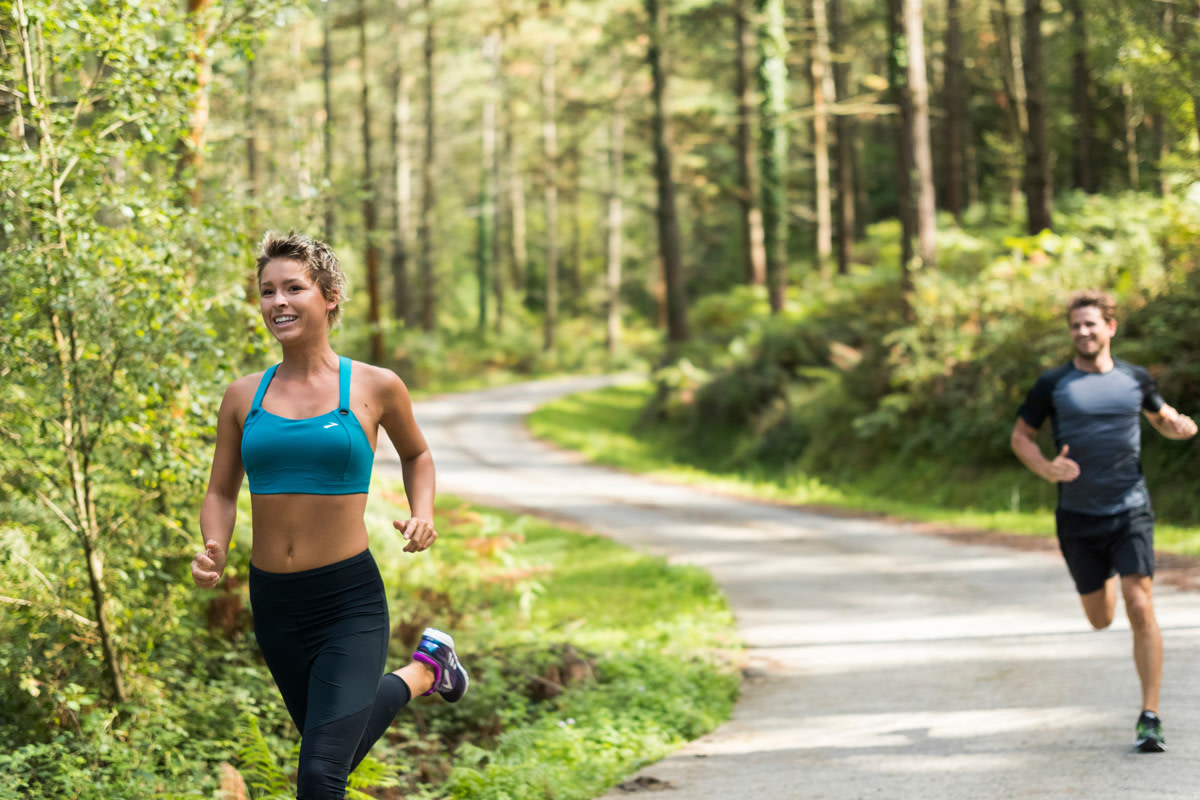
{"type": "Point", "coordinates": [836, 235]}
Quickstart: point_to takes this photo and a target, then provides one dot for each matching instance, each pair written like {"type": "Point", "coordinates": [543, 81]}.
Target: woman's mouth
{"type": "Point", "coordinates": [283, 320]}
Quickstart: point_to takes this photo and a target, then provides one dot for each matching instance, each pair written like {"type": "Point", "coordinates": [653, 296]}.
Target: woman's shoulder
{"type": "Point", "coordinates": [380, 383]}
{"type": "Point", "coordinates": [240, 393]}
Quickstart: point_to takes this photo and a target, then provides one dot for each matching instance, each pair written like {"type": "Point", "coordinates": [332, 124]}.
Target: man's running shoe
{"type": "Point", "coordinates": [437, 650]}
{"type": "Point", "coordinates": [1149, 733]}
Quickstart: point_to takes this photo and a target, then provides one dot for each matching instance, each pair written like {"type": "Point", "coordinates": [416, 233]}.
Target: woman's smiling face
{"type": "Point", "coordinates": [291, 301]}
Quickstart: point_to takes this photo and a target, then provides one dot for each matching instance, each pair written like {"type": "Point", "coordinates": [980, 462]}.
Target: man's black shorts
{"type": "Point", "coordinates": [1096, 548]}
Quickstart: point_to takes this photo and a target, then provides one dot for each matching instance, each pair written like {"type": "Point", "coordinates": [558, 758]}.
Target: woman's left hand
{"type": "Point", "coordinates": [419, 533]}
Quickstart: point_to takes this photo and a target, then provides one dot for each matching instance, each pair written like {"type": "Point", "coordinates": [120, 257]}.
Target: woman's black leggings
{"type": "Point", "coordinates": [324, 634]}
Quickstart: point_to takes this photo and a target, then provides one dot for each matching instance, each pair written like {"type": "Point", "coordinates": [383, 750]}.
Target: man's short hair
{"type": "Point", "coordinates": [1093, 297]}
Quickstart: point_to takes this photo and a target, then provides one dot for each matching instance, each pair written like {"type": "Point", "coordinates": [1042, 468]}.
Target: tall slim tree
{"type": "Point", "coordinates": [918, 83]}
{"type": "Point", "coordinates": [193, 150]}
{"type": "Point", "coordinates": [428, 200]}
{"type": "Point", "coordinates": [403, 307]}
{"type": "Point", "coordinates": [822, 94]}
{"type": "Point", "coordinates": [772, 85]}
{"type": "Point", "coordinates": [1013, 76]}
{"type": "Point", "coordinates": [497, 93]}
{"type": "Point", "coordinates": [902, 97]}
{"type": "Point", "coordinates": [753, 255]}
{"type": "Point", "coordinates": [1037, 153]}
{"type": "Point", "coordinates": [955, 110]}
{"type": "Point", "coordinates": [669, 248]}
{"type": "Point", "coordinates": [327, 124]}
{"type": "Point", "coordinates": [1082, 105]}
{"type": "Point", "coordinates": [550, 166]}
{"type": "Point", "coordinates": [613, 241]}
{"type": "Point", "coordinates": [369, 206]}
{"type": "Point", "coordinates": [1132, 117]}
{"type": "Point", "coordinates": [517, 246]}
{"type": "Point", "coordinates": [487, 188]}
{"type": "Point", "coordinates": [845, 132]}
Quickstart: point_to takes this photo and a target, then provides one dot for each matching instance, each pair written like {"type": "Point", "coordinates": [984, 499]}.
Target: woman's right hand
{"type": "Point", "coordinates": [208, 566]}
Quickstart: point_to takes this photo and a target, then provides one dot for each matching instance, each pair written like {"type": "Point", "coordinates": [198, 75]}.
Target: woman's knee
{"type": "Point", "coordinates": [321, 779]}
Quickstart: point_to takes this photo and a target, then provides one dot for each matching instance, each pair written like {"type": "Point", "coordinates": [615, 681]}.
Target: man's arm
{"type": "Point", "coordinates": [1171, 424]}
{"type": "Point", "coordinates": [1024, 444]}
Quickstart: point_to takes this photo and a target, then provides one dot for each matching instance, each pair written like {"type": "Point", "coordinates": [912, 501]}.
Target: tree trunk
{"type": "Point", "coordinates": [1013, 75]}
{"type": "Point", "coordinates": [327, 127]}
{"type": "Point", "coordinates": [425, 226]}
{"type": "Point", "coordinates": [845, 132]}
{"type": "Point", "coordinates": [575, 210]}
{"type": "Point", "coordinates": [772, 81]}
{"type": "Point", "coordinates": [497, 93]}
{"type": "Point", "coordinates": [1037, 154]}
{"type": "Point", "coordinates": [822, 92]}
{"type": "Point", "coordinates": [1131, 118]}
{"type": "Point", "coordinates": [487, 189]}
{"type": "Point", "coordinates": [370, 209]}
{"type": "Point", "coordinates": [1082, 172]}
{"type": "Point", "coordinates": [252, 180]}
{"type": "Point", "coordinates": [955, 110]}
{"type": "Point", "coordinates": [193, 151]}
{"type": "Point", "coordinates": [518, 251]}
{"type": "Point", "coordinates": [898, 82]}
{"type": "Point", "coordinates": [403, 308]}
{"type": "Point", "coordinates": [668, 222]}
{"type": "Point", "coordinates": [550, 165]}
{"type": "Point", "coordinates": [753, 255]}
{"type": "Point", "coordinates": [616, 160]}
{"type": "Point", "coordinates": [922, 148]}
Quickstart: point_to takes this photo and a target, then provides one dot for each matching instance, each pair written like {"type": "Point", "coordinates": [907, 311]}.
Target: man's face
{"type": "Point", "coordinates": [1090, 332]}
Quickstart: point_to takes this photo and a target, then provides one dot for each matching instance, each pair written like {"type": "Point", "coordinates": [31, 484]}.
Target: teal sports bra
{"type": "Point", "coordinates": [326, 454]}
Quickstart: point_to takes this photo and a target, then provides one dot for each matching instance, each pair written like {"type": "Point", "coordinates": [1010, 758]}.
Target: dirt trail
{"type": "Point", "coordinates": [885, 662]}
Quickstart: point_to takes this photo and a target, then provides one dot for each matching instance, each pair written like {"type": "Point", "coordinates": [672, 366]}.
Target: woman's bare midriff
{"type": "Point", "coordinates": [295, 532]}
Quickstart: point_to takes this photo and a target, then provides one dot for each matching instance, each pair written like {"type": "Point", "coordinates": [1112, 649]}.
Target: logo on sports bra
{"type": "Point", "coordinates": [332, 425]}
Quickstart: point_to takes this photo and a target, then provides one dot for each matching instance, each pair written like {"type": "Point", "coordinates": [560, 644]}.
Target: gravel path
{"type": "Point", "coordinates": [882, 662]}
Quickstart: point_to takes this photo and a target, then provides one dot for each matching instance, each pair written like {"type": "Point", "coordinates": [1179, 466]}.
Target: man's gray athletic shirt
{"type": "Point", "coordinates": [1098, 416]}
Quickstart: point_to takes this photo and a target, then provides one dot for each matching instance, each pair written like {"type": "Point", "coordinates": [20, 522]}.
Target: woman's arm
{"type": "Point", "coordinates": [219, 509]}
{"type": "Point", "coordinates": [415, 459]}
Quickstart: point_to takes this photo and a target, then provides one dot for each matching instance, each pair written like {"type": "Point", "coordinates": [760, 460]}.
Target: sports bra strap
{"type": "Point", "coordinates": [262, 387]}
{"type": "Point", "coordinates": [344, 384]}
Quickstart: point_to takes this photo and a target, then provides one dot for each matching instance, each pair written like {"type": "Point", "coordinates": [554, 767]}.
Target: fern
{"type": "Point", "coordinates": [371, 774]}
{"type": "Point", "coordinates": [262, 773]}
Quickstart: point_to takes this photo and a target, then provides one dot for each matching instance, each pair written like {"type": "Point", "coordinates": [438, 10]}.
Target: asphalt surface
{"type": "Point", "coordinates": [882, 662]}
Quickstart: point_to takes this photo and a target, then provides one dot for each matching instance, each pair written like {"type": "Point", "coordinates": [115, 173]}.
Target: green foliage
{"type": "Point", "coordinates": [845, 399]}
{"type": "Point", "coordinates": [260, 765]}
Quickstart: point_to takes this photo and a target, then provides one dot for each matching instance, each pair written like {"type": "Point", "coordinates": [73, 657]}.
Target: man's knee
{"type": "Point", "coordinates": [1139, 602]}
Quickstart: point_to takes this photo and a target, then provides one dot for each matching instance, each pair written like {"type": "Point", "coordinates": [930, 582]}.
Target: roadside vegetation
{"type": "Point", "coordinates": [852, 398]}
{"type": "Point", "coordinates": [574, 685]}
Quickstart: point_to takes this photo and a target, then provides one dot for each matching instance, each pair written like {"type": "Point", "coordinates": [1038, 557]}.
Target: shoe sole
{"type": "Point", "coordinates": [1150, 746]}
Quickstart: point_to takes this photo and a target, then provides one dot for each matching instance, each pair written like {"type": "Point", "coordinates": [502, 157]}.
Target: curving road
{"type": "Point", "coordinates": [883, 663]}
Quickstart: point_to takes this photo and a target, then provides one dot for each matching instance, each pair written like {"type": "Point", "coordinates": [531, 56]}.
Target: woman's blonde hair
{"type": "Point", "coordinates": [318, 261]}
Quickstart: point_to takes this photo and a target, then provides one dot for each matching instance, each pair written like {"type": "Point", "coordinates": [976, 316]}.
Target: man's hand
{"type": "Point", "coordinates": [1062, 469]}
{"type": "Point", "coordinates": [419, 533]}
{"type": "Point", "coordinates": [1182, 426]}
{"type": "Point", "coordinates": [208, 566]}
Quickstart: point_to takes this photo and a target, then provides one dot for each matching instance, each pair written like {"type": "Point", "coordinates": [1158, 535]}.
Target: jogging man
{"type": "Point", "coordinates": [1104, 520]}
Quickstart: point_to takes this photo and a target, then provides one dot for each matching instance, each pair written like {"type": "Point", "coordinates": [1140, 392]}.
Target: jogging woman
{"type": "Point", "coordinates": [304, 433]}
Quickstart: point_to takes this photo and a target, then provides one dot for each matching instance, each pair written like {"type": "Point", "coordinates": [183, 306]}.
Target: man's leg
{"type": "Point", "coordinates": [1147, 638]}
{"type": "Point", "coordinates": [1101, 605]}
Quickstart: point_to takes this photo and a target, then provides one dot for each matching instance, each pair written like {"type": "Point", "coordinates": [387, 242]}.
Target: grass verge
{"type": "Point", "coordinates": [602, 425]}
{"type": "Point", "coordinates": [588, 660]}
